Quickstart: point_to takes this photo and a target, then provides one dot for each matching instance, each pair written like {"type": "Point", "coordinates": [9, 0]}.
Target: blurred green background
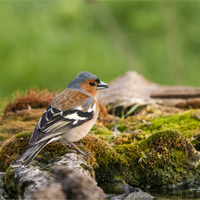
{"type": "Point", "coordinates": [46, 44]}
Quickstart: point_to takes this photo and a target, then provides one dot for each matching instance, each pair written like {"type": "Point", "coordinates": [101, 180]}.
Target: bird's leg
{"type": "Point", "coordinates": [79, 151]}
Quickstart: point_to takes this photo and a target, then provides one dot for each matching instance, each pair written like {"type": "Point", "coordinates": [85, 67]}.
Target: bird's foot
{"type": "Point", "coordinates": [78, 150]}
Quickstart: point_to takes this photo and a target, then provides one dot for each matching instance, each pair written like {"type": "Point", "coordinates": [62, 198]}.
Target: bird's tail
{"type": "Point", "coordinates": [26, 157]}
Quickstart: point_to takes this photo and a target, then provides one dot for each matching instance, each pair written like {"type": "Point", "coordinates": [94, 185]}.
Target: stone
{"type": "Point", "coordinates": [53, 191]}
{"type": "Point", "coordinates": [2, 192]}
{"type": "Point", "coordinates": [1, 177]}
{"type": "Point", "coordinates": [139, 195]}
{"type": "Point", "coordinates": [117, 186]}
{"type": "Point", "coordinates": [51, 160]}
{"type": "Point", "coordinates": [68, 184]}
{"type": "Point", "coordinates": [136, 195]}
{"type": "Point", "coordinates": [125, 191]}
{"type": "Point", "coordinates": [77, 162]}
{"type": "Point", "coordinates": [29, 179]}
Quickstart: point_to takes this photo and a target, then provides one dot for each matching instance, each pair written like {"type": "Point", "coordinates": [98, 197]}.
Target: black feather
{"type": "Point", "coordinates": [85, 114]}
{"type": "Point", "coordinates": [26, 157]}
{"type": "Point", "coordinates": [43, 121]}
{"type": "Point", "coordinates": [49, 114]}
{"type": "Point", "coordinates": [57, 123]}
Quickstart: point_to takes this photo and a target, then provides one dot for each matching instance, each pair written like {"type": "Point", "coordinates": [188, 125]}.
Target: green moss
{"type": "Point", "coordinates": [165, 158]}
{"type": "Point", "coordinates": [88, 168]}
{"type": "Point", "coordinates": [94, 128]}
{"type": "Point", "coordinates": [115, 187]}
{"type": "Point", "coordinates": [85, 167]}
{"type": "Point", "coordinates": [184, 122]}
{"type": "Point", "coordinates": [122, 128]}
{"type": "Point", "coordinates": [128, 138]}
{"type": "Point", "coordinates": [9, 184]}
{"type": "Point", "coordinates": [110, 163]}
{"type": "Point", "coordinates": [2, 138]}
{"type": "Point", "coordinates": [12, 148]}
{"type": "Point", "coordinates": [12, 184]}
{"type": "Point", "coordinates": [52, 150]}
{"type": "Point", "coordinates": [159, 158]}
{"type": "Point", "coordinates": [16, 145]}
{"type": "Point", "coordinates": [23, 135]}
{"type": "Point", "coordinates": [104, 132]}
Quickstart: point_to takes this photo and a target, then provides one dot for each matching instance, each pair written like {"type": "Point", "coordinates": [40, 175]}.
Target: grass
{"type": "Point", "coordinates": [46, 44]}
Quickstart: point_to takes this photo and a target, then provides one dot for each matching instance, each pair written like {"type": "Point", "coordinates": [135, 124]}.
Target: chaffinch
{"type": "Point", "coordinates": [68, 118]}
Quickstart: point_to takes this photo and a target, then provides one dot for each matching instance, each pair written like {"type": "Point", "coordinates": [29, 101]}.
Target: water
{"type": "Point", "coordinates": [180, 192]}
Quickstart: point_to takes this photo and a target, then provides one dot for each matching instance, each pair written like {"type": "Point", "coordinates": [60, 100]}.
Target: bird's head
{"type": "Point", "coordinates": [88, 83]}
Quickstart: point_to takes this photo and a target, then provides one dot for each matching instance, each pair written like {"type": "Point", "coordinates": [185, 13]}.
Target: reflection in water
{"type": "Point", "coordinates": [181, 192]}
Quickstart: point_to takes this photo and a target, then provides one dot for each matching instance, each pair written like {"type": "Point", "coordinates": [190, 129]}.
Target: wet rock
{"type": "Point", "coordinates": [136, 194]}
{"type": "Point", "coordinates": [117, 186]}
{"type": "Point", "coordinates": [139, 195]}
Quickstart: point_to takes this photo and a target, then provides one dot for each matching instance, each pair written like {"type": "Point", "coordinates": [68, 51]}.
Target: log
{"type": "Point", "coordinates": [132, 88]}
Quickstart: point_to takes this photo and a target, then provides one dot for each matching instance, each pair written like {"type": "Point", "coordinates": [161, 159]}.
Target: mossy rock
{"type": "Point", "coordinates": [12, 148]}
{"type": "Point", "coordinates": [12, 184]}
{"type": "Point", "coordinates": [117, 186]}
{"type": "Point", "coordinates": [185, 122]}
{"type": "Point", "coordinates": [165, 158]}
{"type": "Point", "coordinates": [110, 163]}
{"type": "Point", "coordinates": [16, 145]}
{"type": "Point", "coordinates": [188, 123]}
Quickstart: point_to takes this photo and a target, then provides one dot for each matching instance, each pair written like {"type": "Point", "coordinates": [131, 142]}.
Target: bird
{"type": "Point", "coordinates": [68, 118]}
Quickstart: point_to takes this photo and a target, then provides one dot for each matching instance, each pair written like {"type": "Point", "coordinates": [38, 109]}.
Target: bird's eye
{"type": "Point", "coordinates": [92, 83]}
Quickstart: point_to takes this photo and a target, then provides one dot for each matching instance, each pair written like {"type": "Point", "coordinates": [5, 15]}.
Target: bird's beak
{"type": "Point", "coordinates": [101, 85]}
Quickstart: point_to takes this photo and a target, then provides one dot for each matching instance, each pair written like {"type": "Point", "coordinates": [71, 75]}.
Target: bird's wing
{"type": "Point", "coordinates": [56, 121]}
